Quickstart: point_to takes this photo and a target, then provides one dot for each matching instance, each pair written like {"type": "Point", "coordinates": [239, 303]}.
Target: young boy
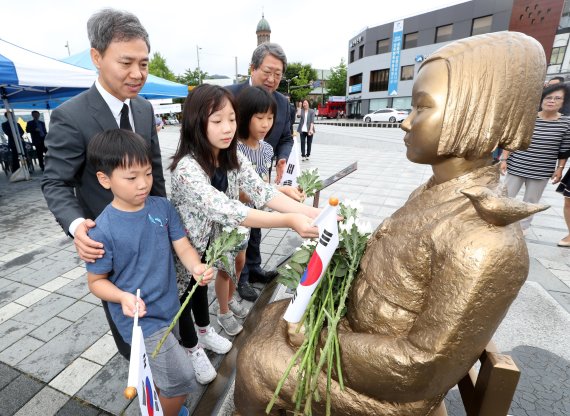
{"type": "Point", "coordinates": [137, 231]}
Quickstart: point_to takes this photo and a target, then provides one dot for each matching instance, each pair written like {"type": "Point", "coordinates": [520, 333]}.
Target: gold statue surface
{"type": "Point", "coordinates": [439, 275]}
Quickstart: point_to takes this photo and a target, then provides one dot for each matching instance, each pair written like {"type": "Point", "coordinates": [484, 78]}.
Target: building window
{"type": "Point", "coordinates": [355, 84]}
{"type": "Point", "coordinates": [557, 55]}
{"type": "Point", "coordinates": [351, 60]}
{"type": "Point", "coordinates": [565, 19]}
{"type": "Point", "coordinates": [379, 80]}
{"type": "Point", "coordinates": [407, 73]}
{"type": "Point", "coordinates": [377, 104]}
{"type": "Point", "coordinates": [383, 46]}
{"type": "Point", "coordinates": [443, 33]}
{"type": "Point", "coordinates": [402, 103]}
{"type": "Point", "coordinates": [481, 25]}
{"type": "Point", "coordinates": [411, 40]}
{"type": "Point", "coordinates": [361, 52]}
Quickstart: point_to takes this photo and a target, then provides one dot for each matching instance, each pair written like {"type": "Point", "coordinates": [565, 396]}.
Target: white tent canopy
{"type": "Point", "coordinates": [31, 80]}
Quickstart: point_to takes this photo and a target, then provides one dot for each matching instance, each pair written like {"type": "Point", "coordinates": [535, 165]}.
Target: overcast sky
{"type": "Point", "coordinates": [311, 32]}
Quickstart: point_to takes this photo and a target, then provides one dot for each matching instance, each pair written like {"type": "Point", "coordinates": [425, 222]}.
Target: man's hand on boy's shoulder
{"type": "Point", "coordinates": [129, 305]}
{"type": "Point", "coordinates": [88, 250]}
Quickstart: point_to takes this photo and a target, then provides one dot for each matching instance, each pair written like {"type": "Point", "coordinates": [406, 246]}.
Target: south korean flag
{"type": "Point", "coordinates": [140, 376]}
{"type": "Point", "coordinates": [293, 168]}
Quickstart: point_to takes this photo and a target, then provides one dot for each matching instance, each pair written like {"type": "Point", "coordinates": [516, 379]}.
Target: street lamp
{"type": "Point", "coordinates": [288, 81]}
{"type": "Point", "coordinates": [198, 58]}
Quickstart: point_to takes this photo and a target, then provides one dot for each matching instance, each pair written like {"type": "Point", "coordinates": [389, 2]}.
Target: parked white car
{"type": "Point", "coordinates": [389, 115]}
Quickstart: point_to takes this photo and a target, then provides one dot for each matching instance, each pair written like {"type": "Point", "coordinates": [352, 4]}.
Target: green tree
{"type": "Point", "coordinates": [301, 76]}
{"type": "Point", "coordinates": [192, 77]}
{"type": "Point", "coordinates": [157, 66]}
{"type": "Point", "coordinates": [336, 84]}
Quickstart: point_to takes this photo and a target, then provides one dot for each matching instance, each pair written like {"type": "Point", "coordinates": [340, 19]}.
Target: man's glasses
{"type": "Point", "coordinates": [553, 98]}
{"type": "Point", "coordinates": [269, 74]}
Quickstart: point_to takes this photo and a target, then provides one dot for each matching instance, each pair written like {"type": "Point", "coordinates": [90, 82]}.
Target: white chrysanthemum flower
{"type": "Point", "coordinates": [354, 204]}
{"type": "Point", "coordinates": [363, 227]}
{"type": "Point", "coordinates": [297, 248]}
{"type": "Point", "coordinates": [242, 230]}
{"type": "Point", "coordinates": [227, 229]}
{"type": "Point", "coordinates": [349, 224]}
{"type": "Point", "coordinates": [288, 267]}
{"type": "Point", "coordinates": [309, 243]}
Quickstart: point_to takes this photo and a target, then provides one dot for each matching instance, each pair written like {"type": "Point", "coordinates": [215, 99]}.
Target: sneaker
{"type": "Point", "coordinates": [237, 308]}
{"type": "Point", "coordinates": [184, 411]}
{"type": "Point", "coordinates": [214, 342]}
{"type": "Point", "coordinates": [247, 292]}
{"type": "Point", "coordinates": [229, 323]}
{"type": "Point", "coordinates": [203, 368]}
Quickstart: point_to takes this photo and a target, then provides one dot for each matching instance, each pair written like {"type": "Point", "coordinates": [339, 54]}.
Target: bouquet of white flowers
{"type": "Point", "coordinates": [326, 307]}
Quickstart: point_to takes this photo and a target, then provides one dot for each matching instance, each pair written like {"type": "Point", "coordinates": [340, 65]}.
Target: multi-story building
{"type": "Point", "coordinates": [383, 61]}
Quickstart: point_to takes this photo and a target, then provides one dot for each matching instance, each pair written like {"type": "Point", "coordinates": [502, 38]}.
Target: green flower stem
{"type": "Point", "coordinates": [177, 316]}
{"type": "Point", "coordinates": [282, 381]}
{"type": "Point", "coordinates": [332, 334]}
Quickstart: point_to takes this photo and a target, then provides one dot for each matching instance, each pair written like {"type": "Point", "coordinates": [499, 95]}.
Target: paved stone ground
{"type": "Point", "coordinates": [57, 357]}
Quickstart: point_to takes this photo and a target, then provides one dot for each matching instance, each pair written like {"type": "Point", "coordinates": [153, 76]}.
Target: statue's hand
{"type": "Point", "coordinates": [296, 338]}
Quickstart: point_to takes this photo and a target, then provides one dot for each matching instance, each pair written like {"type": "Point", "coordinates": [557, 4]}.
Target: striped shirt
{"type": "Point", "coordinates": [260, 158]}
{"type": "Point", "coordinates": [550, 142]}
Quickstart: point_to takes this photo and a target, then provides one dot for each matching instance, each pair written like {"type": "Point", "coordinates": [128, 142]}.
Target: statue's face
{"type": "Point", "coordinates": [423, 125]}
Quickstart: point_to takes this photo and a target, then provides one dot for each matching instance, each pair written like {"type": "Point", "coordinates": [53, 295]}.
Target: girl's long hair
{"type": "Point", "coordinates": [199, 105]}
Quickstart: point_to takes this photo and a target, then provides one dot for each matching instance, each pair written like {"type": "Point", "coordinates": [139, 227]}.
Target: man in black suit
{"type": "Point", "coordinates": [12, 140]}
{"type": "Point", "coordinates": [37, 130]}
{"type": "Point", "coordinates": [268, 64]}
{"type": "Point", "coordinates": [120, 51]}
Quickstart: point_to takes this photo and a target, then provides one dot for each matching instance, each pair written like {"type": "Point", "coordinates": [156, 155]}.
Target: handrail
{"type": "Point", "coordinates": [334, 178]}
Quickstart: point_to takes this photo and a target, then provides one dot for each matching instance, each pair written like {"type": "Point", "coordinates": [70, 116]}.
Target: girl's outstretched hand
{"type": "Point", "coordinates": [303, 225]}
{"type": "Point", "coordinates": [293, 192]}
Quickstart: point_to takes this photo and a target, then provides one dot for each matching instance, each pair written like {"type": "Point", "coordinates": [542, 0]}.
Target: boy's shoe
{"type": "Point", "coordinates": [203, 368]}
{"type": "Point", "coordinates": [184, 411]}
{"type": "Point", "coordinates": [214, 342]}
{"type": "Point", "coordinates": [247, 292]}
{"type": "Point", "coordinates": [237, 308]}
{"type": "Point", "coordinates": [229, 323]}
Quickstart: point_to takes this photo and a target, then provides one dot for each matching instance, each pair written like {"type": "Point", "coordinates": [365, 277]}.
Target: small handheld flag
{"type": "Point", "coordinates": [140, 377]}
{"type": "Point", "coordinates": [293, 168]}
{"type": "Point", "coordinates": [328, 242]}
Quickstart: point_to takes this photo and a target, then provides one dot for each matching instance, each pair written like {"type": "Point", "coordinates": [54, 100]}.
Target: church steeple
{"type": "Point", "coordinates": [263, 31]}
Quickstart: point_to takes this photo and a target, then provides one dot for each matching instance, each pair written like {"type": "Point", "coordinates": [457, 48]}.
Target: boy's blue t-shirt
{"type": "Point", "coordinates": [138, 255]}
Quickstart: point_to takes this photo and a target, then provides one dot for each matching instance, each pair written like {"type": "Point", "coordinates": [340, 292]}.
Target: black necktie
{"type": "Point", "coordinates": [125, 123]}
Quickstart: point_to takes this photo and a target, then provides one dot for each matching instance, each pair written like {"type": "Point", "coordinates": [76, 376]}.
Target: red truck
{"type": "Point", "coordinates": [335, 107]}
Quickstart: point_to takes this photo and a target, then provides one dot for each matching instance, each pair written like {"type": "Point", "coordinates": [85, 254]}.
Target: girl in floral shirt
{"type": "Point", "coordinates": [207, 176]}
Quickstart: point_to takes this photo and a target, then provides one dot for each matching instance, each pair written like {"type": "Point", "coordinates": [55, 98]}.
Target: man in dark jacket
{"type": "Point", "coordinates": [12, 140]}
{"type": "Point", "coordinates": [119, 50]}
{"type": "Point", "coordinates": [268, 64]}
{"type": "Point", "coordinates": [37, 130]}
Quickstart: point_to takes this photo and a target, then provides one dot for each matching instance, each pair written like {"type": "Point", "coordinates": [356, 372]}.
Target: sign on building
{"type": "Point", "coordinates": [395, 58]}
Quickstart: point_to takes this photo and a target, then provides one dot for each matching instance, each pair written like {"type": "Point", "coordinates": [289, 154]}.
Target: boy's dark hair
{"type": "Point", "coordinates": [200, 104]}
{"type": "Point", "coordinates": [251, 101]}
{"type": "Point", "coordinates": [117, 148]}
